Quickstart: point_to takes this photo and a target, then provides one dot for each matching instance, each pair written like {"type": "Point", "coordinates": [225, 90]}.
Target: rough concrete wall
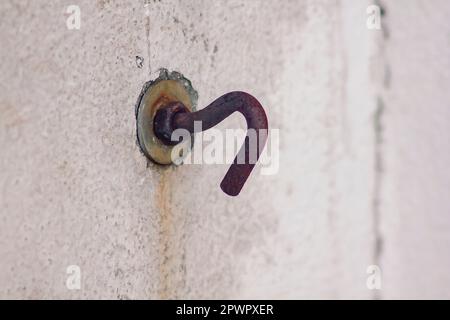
{"type": "Point", "coordinates": [76, 190]}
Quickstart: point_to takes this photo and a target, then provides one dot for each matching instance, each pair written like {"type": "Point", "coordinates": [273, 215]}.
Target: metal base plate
{"type": "Point", "coordinates": [168, 87]}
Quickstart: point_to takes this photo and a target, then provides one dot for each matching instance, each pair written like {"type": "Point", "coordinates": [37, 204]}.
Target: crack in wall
{"type": "Point", "coordinates": [378, 173]}
{"type": "Point", "coordinates": [147, 33]}
{"type": "Point", "coordinates": [165, 288]}
{"type": "Point", "coordinates": [378, 128]}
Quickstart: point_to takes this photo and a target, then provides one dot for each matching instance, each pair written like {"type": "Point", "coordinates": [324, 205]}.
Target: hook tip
{"type": "Point", "coordinates": [231, 190]}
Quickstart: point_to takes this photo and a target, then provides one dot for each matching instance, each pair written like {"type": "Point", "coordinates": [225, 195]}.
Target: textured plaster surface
{"type": "Point", "coordinates": [416, 148]}
{"type": "Point", "coordinates": [75, 189]}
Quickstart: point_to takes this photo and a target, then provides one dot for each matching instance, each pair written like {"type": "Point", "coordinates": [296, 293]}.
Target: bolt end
{"type": "Point", "coordinates": [163, 122]}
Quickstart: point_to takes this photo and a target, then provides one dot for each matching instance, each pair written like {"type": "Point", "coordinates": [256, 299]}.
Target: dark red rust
{"type": "Point", "coordinates": [216, 112]}
{"type": "Point", "coordinates": [163, 122]}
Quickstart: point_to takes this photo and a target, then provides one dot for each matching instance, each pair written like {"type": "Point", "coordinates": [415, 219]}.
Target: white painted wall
{"type": "Point", "coordinates": [415, 220]}
{"type": "Point", "coordinates": [363, 143]}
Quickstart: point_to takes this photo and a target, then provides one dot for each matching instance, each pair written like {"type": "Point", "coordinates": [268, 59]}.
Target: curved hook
{"type": "Point", "coordinates": [176, 116]}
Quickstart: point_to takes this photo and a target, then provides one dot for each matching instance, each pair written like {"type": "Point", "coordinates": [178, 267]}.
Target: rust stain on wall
{"type": "Point", "coordinates": [171, 253]}
{"type": "Point", "coordinates": [171, 237]}
{"type": "Point", "coordinates": [162, 199]}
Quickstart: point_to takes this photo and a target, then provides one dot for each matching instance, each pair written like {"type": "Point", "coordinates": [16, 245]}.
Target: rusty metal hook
{"type": "Point", "coordinates": [176, 116]}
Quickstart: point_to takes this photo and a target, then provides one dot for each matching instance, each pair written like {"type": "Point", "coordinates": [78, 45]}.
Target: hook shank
{"type": "Point", "coordinates": [175, 117]}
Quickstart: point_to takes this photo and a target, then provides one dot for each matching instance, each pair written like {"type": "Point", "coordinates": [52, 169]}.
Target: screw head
{"type": "Point", "coordinates": [163, 121]}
